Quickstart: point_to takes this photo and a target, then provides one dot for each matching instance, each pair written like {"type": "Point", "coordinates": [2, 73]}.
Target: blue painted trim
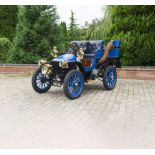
{"type": "Point", "coordinates": [66, 57]}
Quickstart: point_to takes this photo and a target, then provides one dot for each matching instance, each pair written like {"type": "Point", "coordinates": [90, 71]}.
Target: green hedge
{"type": "Point", "coordinates": [5, 46]}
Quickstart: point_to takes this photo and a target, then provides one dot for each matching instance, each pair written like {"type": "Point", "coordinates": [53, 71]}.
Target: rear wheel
{"type": "Point", "coordinates": [110, 78]}
{"type": "Point", "coordinates": [40, 83]}
{"type": "Point", "coordinates": [73, 84]}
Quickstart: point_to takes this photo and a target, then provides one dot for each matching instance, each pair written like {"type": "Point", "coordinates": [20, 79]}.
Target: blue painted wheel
{"type": "Point", "coordinates": [110, 78]}
{"type": "Point", "coordinates": [73, 84]}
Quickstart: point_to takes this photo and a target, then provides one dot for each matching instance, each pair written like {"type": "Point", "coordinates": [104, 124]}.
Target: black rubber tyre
{"type": "Point", "coordinates": [74, 80]}
{"type": "Point", "coordinates": [40, 87]}
{"type": "Point", "coordinates": [110, 78]}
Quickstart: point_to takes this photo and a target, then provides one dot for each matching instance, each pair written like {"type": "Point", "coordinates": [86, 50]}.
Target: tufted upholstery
{"type": "Point", "coordinates": [89, 46]}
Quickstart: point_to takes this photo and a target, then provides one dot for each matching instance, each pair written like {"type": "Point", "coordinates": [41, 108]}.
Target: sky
{"type": "Point", "coordinates": [82, 13]}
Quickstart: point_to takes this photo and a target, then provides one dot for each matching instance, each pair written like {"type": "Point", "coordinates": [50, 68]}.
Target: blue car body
{"type": "Point", "coordinates": [73, 72]}
{"type": "Point", "coordinates": [95, 56]}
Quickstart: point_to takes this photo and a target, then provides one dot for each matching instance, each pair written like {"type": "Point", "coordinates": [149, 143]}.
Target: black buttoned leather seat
{"type": "Point", "coordinates": [90, 47]}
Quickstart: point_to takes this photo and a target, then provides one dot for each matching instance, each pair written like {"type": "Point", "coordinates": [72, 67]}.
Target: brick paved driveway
{"type": "Point", "coordinates": [122, 118]}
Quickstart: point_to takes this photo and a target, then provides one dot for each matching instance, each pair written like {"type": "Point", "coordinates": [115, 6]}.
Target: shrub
{"type": "Point", "coordinates": [5, 46]}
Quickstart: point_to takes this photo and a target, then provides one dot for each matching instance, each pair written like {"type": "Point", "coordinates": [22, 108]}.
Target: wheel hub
{"type": "Point", "coordinates": [76, 84]}
{"type": "Point", "coordinates": [43, 79]}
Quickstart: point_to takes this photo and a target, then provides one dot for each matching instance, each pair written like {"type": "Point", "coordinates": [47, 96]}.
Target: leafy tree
{"type": "Point", "coordinates": [93, 30]}
{"type": "Point", "coordinates": [137, 23]}
{"type": "Point", "coordinates": [37, 32]}
{"type": "Point", "coordinates": [134, 26]}
{"type": "Point", "coordinates": [8, 21]}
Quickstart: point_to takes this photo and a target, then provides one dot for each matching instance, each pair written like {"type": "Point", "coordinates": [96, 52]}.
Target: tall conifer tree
{"type": "Point", "coordinates": [37, 32]}
{"type": "Point", "coordinates": [73, 28]}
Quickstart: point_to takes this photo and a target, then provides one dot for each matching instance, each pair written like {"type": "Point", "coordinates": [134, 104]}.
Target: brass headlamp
{"type": "Point", "coordinates": [80, 54]}
{"type": "Point", "coordinates": [45, 67]}
{"type": "Point", "coordinates": [42, 62]}
{"type": "Point", "coordinates": [54, 52]}
{"type": "Point", "coordinates": [63, 64]}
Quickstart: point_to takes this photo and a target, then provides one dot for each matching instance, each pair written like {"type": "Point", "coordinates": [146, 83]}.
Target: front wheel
{"type": "Point", "coordinates": [73, 84]}
{"type": "Point", "coordinates": [110, 78]}
{"type": "Point", "coordinates": [40, 83]}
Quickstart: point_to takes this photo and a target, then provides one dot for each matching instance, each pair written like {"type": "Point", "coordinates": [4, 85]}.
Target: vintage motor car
{"type": "Point", "coordinates": [75, 68]}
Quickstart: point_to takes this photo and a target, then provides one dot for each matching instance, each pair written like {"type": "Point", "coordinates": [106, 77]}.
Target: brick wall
{"type": "Point", "coordinates": [17, 69]}
{"type": "Point", "coordinates": [141, 73]}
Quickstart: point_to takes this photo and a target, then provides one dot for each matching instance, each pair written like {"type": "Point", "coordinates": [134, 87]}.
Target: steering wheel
{"type": "Point", "coordinates": [71, 51]}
